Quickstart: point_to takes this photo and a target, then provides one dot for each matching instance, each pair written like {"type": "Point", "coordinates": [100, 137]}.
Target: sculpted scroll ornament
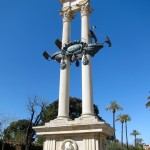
{"type": "Point", "coordinates": [86, 9]}
{"type": "Point", "coordinates": [69, 145]}
{"type": "Point", "coordinates": [67, 15]}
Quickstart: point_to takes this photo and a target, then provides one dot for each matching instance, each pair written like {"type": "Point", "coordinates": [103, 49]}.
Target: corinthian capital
{"type": "Point", "coordinates": [67, 15]}
{"type": "Point", "coordinates": [86, 9]}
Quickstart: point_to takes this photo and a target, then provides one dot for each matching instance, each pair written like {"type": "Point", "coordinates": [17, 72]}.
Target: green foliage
{"type": "Point", "coordinates": [121, 118]}
{"type": "Point", "coordinates": [75, 110]}
{"type": "Point", "coordinates": [16, 131]}
{"type": "Point", "coordinates": [148, 103]}
{"type": "Point", "coordinates": [135, 133]}
{"type": "Point", "coordinates": [115, 146]}
{"type": "Point", "coordinates": [114, 106]}
{"type": "Point", "coordinates": [12, 146]}
{"type": "Point", "coordinates": [118, 146]}
{"type": "Point", "coordinates": [50, 112]}
{"type": "Point", "coordinates": [40, 140]}
{"type": "Point", "coordinates": [5, 120]}
{"type": "Point", "coordinates": [139, 141]}
{"type": "Point", "coordinates": [127, 117]}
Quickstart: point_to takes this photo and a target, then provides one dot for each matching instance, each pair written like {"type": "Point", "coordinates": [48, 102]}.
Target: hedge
{"type": "Point", "coordinates": [8, 146]}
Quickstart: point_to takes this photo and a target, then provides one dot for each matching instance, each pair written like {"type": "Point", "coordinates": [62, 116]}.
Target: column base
{"type": "Point", "coordinates": [62, 118]}
{"type": "Point", "coordinates": [88, 114]}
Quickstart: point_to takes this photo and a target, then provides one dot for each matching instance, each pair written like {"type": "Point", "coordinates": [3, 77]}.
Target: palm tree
{"type": "Point", "coordinates": [127, 118]}
{"type": "Point", "coordinates": [139, 141]}
{"type": "Point", "coordinates": [121, 118]}
{"type": "Point", "coordinates": [135, 133]}
{"type": "Point", "coordinates": [148, 103]}
{"type": "Point", "coordinates": [114, 107]}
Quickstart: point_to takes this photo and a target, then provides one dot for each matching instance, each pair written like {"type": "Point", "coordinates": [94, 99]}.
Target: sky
{"type": "Point", "coordinates": [120, 73]}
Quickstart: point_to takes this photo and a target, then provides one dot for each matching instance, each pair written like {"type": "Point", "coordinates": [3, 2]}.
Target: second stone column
{"type": "Point", "coordinates": [87, 92]}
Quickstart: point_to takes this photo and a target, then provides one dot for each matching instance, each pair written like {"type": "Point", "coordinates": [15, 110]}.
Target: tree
{"type": "Point", "coordinates": [16, 131]}
{"type": "Point", "coordinates": [118, 146]}
{"type": "Point", "coordinates": [139, 141]}
{"type": "Point", "coordinates": [1, 130]}
{"type": "Point", "coordinates": [127, 118]}
{"type": "Point", "coordinates": [121, 118]}
{"type": "Point", "coordinates": [5, 120]}
{"type": "Point", "coordinates": [135, 133]}
{"type": "Point", "coordinates": [148, 103]}
{"type": "Point", "coordinates": [75, 110]}
{"type": "Point", "coordinates": [35, 119]}
{"type": "Point", "coordinates": [114, 107]}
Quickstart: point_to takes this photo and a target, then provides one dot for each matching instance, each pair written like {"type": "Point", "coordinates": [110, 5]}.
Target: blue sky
{"type": "Point", "coordinates": [121, 73]}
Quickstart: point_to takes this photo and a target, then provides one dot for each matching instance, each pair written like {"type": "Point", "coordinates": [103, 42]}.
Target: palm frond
{"type": "Point", "coordinates": [121, 118]}
{"type": "Point", "coordinates": [147, 104]}
{"type": "Point", "coordinates": [127, 117]}
{"type": "Point", "coordinates": [113, 106]}
{"type": "Point", "coordinates": [135, 132]}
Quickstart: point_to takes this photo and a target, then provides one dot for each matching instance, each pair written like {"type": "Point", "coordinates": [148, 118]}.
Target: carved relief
{"type": "Point", "coordinates": [69, 145]}
{"type": "Point", "coordinates": [67, 14]}
{"type": "Point", "coordinates": [86, 9]}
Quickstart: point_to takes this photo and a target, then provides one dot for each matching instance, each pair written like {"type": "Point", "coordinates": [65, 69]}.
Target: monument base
{"type": "Point", "coordinates": [83, 133]}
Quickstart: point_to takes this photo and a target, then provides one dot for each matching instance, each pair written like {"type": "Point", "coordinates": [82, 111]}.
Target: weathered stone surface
{"type": "Point", "coordinates": [83, 133]}
{"type": "Point", "coordinates": [74, 5]}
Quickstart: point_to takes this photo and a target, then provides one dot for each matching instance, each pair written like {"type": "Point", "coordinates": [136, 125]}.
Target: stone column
{"type": "Point", "coordinates": [63, 107]}
{"type": "Point", "coordinates": [87, 92]}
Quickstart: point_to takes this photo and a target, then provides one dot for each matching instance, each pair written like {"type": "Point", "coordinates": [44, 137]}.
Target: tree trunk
{"type": "Point", "coordinates": [126, 135]}
{"type": "Point", "coordinates": [135, 140]}
{"type": "Point", "coordinates": [114, 126]}
{"type": "Point", "coordinates": [122, 134]}
{"type": "Point", "coordinates": [3, 145]}
{"type": "Point", "coordinates": [29, 139]}
{"type": "Point", "coordinates": [27, 147]}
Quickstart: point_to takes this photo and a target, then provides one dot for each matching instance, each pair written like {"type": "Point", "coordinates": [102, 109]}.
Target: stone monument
{"type": "Point", "coordinates": [86, 132]}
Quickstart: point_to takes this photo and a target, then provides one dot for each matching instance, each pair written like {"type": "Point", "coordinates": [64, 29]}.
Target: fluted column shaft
{"type": "Point", "coordinates": [87, 91]}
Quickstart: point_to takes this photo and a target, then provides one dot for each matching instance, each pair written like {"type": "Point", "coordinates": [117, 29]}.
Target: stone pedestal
{"type": "Point", "coordinates": [84, 133]}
